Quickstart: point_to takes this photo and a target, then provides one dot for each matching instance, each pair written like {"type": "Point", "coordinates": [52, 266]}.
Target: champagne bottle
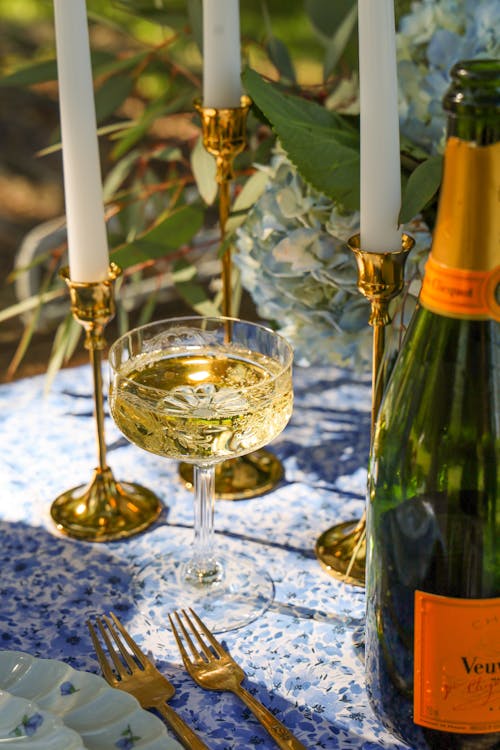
{"type": "Point", "coordinates": [433, 516]}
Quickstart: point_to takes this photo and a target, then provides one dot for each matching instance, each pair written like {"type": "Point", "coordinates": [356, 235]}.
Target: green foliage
{"type": "Point", "coordinates": [160, 186]}
{"type": "Point", "coordinates": [170, 233]}
{"type": "Point", "coordinates": [324, 147]}
{"type": "Point", "coordinates": [321, 144]}
{"type": "Point", "coordinates": [422, 187]}
{"type": "Point", "coordinates": [334, 24]}
{"type": "Point", "coordinates": [40, 72]}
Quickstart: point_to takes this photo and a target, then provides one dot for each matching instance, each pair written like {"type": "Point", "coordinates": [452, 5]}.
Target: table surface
{"type": "Point", "coordinates": [299, 656]}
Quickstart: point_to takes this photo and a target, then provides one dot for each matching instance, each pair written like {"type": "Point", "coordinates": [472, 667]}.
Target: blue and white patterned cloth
{"type": "Point", "coordinates": [299, 656]}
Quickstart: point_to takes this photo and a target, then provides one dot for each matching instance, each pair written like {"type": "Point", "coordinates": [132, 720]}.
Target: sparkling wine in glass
{"type": "Point", "coordinates": [202, 390]}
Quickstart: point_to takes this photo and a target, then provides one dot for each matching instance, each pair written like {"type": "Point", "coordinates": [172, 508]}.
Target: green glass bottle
{"type": "Point", "coordinates": [433, 516]}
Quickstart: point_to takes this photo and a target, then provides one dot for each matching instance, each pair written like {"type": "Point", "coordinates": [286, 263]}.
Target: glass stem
{"type": "Point", "coordinates": [204, 568]}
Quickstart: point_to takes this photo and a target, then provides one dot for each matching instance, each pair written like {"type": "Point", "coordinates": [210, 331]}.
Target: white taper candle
{"type": "Point", "coordinates": [221, 54]}
{"type": "Point", "coordinates": [380, 155]}
{"type": "Point", "coordinates": [87, 240]}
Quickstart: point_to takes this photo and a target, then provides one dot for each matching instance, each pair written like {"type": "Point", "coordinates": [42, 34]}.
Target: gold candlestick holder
{"type": "Point", "coordinates": [341, 549]}
{"type": "Point", "coordinates": [224, 136]}
{"type": "Point", "coordinates": [103, 510]}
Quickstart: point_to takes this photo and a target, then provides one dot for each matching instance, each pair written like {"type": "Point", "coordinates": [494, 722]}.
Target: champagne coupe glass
{"type": "Point", "coordinates": [202, 390]}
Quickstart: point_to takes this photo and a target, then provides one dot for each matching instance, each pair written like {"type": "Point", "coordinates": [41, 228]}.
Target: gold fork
{"type": "Point", "coordinates": [130, 670]}
{"type": "Point", "coordinates": [212, 667]}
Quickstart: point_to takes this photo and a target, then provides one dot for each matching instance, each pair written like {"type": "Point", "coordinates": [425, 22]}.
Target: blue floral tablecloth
{"type": "Point", "coordinates": [299, 656]}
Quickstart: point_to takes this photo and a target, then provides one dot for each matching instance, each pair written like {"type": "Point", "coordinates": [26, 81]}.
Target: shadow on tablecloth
{"type": "Point", "coordinates": [49, 585]}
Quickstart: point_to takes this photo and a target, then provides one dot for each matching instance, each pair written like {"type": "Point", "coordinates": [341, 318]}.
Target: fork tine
{"type": "Point", "coordinates": [139, 655]}
{"type": "Point", "coordinates": [196, 652]}
{"type": "Point", "coordinates": [198, 656]}
{"type": "Point", "coordinates": [101, 656]}
{"type": "Point", "coordinates": [205, 650]}
{"type": "Point", "coordinates": [211, 639]}
{"type": "Point", "coordinates": [180, 645]}
{"type": "Point", "coordinates": [127, 658]}
{"type": "Point", "coordinates": [117, 663]}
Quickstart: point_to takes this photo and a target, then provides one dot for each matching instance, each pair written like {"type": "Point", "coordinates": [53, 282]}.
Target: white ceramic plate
{"type": "Point", "coordinates": [24, 724]}
{"type": "Point", "coordinates": [104, 718]}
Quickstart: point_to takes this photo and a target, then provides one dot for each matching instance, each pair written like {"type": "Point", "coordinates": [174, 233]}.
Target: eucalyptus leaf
{"type": "Point", "coordinates": [65, 340]}
{"type": "Point", "coordinates": [326, 17]}
{"type": "Point", "coordinates": [277, 51]}
{"type": "Point", "coordinates": [184, 275]}
{"type": "Point", "coordinates": [280, 57]}
{"type": "Point", "coordinates": [421, 187]}
{"type": "Point", "coordinates": [38, 73]}
{"type": "Point", "coordinates": [30, 303]}
{"type": "Point", "coordinates": [168, 235]}
{"type": "Point", "coordinates": [24, 342]}
{"type": "Point", "coordinates": [111, 95]}
{"type": "Point", "coordinates": [117, 128]}
{"type": "Point", "coordinates": [118, 174]}
{"type": "Point", "coordinates": [204, 169]}
{"type": "Point", "coordinates": [147, 310]}
{"type": "Point", "coordinates": [45, 70]}
{"type": "Point", "coordinates": [324, 149]}
{"type": "Point", "coordinates": [137, 130]}
{"type": "Point", "coordinates": [122, 317]}
{"type": "Point", "coordinates": [195, 15]}
{"type": "Point", "coordinates": [111, 65]}
{"type": "Point", "coordinates": [170, 153]}
{"type": "Point", "coordinates": [250, 192]}
{"type": "Point", "coordinates": [158, 11]}
{"type": "Point", "coordinates": [338, 42]}
{"type": "Point", "coordinates": [129, 137]}
{"type": "Point", "coordinates": [245, 200]}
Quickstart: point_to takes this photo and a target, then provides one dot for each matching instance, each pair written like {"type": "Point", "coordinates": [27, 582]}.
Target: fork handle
{"type": "Point", "coordinates": [280, 734]}
{"type": "Point", "coordinates": [183, 732]}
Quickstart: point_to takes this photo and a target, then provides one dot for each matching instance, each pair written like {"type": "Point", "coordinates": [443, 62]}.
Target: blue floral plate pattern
{"type": "Point", "coordinates": [299, 655]}
{"type": "Point", "coordinates": [24, 724]}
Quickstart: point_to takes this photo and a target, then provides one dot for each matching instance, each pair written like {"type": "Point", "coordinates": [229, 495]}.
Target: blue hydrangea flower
{"type": "Point", "coordinates": [295, 264]}
{"type": "Point", "coordinates": [431, 38]}
{"type": "Point", "coordinates": [292, 254]}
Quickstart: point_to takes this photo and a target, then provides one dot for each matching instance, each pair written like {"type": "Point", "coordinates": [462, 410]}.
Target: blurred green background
{"type": "Point", "coordinates": [142, 107]}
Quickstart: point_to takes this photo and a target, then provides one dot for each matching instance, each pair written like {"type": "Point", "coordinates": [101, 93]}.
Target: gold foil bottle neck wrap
{"type": "Point", "coordinates": [467, 234]}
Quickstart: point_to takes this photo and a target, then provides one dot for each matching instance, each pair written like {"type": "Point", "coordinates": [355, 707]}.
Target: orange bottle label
{"type": "Point", "coordinates": [457, 664]}
{"type": "Point", "coordinates": [460, 292]}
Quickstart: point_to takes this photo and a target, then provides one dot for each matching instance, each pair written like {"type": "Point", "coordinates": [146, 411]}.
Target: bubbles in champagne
{"type": "Point", "coordinates": [201, 404]}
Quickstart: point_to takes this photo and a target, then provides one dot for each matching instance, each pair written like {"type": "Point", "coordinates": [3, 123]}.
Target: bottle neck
{"type": "Point", "coordinates": [462, 275]}
{"type": "Point", "coordinates": [472, 101]}
{"type": "Point", "coordinates": [468, 220]}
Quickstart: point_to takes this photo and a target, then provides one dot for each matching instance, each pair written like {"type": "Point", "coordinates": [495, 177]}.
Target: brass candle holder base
{"type": "Point", "coordinates": [224, 136]}
{"type": "Point", "coordinates": [242, 478]}
{"type": "Point", "coordinates": [103, 510]}
{"type": "Point", "coordinates": [341, 550]}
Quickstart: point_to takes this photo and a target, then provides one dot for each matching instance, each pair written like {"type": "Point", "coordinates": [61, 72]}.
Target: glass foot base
{"type": "Point", "coordinates": [341, 551]}
{"type": "Point", "coordinates": [105, 510]}
{"type": "Point", "coordinates": [243, 477]}
{"type": "Point", "coordinates": [201, 577]}
{"type": "Point", "coordinates": [236, 598]}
